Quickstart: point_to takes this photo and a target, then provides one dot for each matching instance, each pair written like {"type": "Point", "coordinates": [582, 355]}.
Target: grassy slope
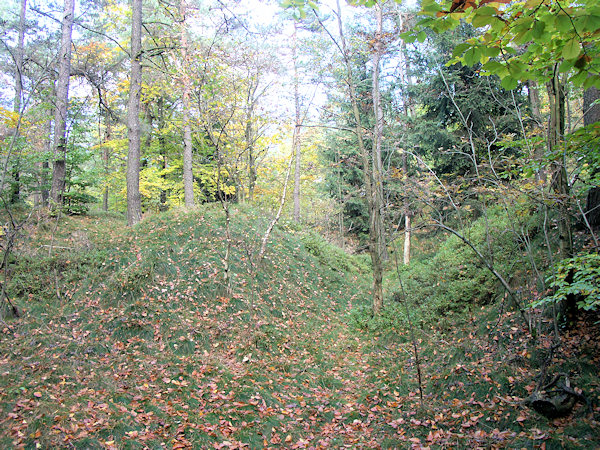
{"type": "Point", "coordinates": [144, 348]}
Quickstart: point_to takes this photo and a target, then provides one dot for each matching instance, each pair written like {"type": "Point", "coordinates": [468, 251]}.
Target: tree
{"type": "Point", "coordinates": [18, 89]}
{"type": "Point", "coordinates": [62, 100]}
{"type": "Point", "coordinates": [377, 169]}
{"type": "Point", "coordinates": [134, 206]}
{"type": "Point", "coordinates": [297, 127]}
{"type": "Point", "coordinates": [372, 199]}
{"type": "Point", "coordinates": [591, 115]}
{"type": "Point", "coordinates": [188, 177]}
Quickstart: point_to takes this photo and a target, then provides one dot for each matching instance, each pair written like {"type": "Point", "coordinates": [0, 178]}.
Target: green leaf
{"type": "Point", "coordinates": [524, 24]}
{"type": "Point", "coordinates": [562, 22]}
{"type": "Point", "coordinates": [472, 56]}
{"type": "Point", "coordinates": [509, 83]}
{"type": "Point", "coordinates": [538, 30]}
{"type": "Point", "coordinates": [421, 36]}
{"type": "Point", "coordinates": [591, 23]}
{"type": "Point", "coordinates": [591, 81]}
{"type": "Point", "coordinates": [565, 66]}
{"type": "Point", "coordinates": [523, 37]}
{"type": "Point", "coordinates": [486, 11]}
{"type": "Point", "coordinates": [571, 49]}
{"type": "Point", "coordinates": [579, 78]}
{"type": "Point", "coordinates": [492, 52]}
{"type": "Point", "coordinates": [460, 48]}
{"type": "Point", "coordinates": [496, 68]}
{"type": "Point", "coordinates": [482, 21]}
{"type": "Point", "coordinates": [498, 26]}
{"type": "Point", "coordinates": [430, 6]}
{"type": "Point", "coordinates": [409, 37]}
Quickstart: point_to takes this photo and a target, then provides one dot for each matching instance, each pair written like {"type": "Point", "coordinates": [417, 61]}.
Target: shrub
{"type": "Point", "coordinates": [454, 278]}
{"type": "Point", "coordinates": [578, 277]}
{"type": "Point", "coordinates": [330, 255]}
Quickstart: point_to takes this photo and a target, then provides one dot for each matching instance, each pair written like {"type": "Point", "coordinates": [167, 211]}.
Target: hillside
{"type": "Point", "coordinates": [130, 339]}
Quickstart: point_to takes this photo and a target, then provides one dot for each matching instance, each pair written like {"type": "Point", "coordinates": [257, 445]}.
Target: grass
{"type": "Point", "coordinates": [144, 349]}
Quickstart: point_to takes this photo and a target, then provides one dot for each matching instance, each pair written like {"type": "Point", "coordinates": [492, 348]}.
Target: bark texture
{"type": "Point", "coordinates": [15, 191]}
{"type": "Point", "coordinates": [188, 177]}
{"type": "Point", "coordinates": [62, 100]}
{"type": "Point", "coordinates": [560, 184]}
{"type": "Point", "coordinates": [134, 204]}
{"type": "Point", "coordinates": [297, 143]}
{"type": "Point", "coordinates": [371, 198]}
{"type": "Point", "coordinates": [592, 115]}
{"type": "Point", "coordinates": [378, 136]}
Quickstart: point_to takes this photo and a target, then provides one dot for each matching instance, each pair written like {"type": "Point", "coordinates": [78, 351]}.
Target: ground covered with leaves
{"type": "Point", "coordinates": [131, 339]}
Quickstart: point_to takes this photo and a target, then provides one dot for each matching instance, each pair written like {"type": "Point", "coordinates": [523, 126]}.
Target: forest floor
{"type": "Point", "coordinates": [129, 339]}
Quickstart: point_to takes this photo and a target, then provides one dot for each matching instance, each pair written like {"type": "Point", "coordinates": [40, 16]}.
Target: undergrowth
{"type": "Point", "coordinates": [130, 339]}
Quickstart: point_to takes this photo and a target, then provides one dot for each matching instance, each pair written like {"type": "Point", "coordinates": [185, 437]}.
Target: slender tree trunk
{"type": "Point", "coordinates": [188, 177]}
{"type": "Point", "coordinates": [19, 93]}
{"type": "Point", "coordinates": [249, 136]}
{"type": "Point", "coordinates": [62, 99]}
{"type": "Point", "coordinates": [341, 214]}
{"type": "Point", "coordinates": [409, 112]}
{"type": "Point", "coordinates": [162, 145]}
{"type": "Point", "coordinates": [407, 217]}
{"type": "Point", "coordinates": [251, 174]}
{"type": "Point", "coordinates": [265, 239]}
{"type": "Point", "coordinates": [378, 135]}
{"type": "Point", "coordinates": [19, 58]}
{"type": "Point", "coordinates": [371, 198]}
{"type": "Point", "coordinates": [44, 166]}
{"type": "Point", "coordinates": [134, 203]}
{"type": "Point", "coordinates": [560, 183]}
{"type": "Point", "coordinates": [297, 143]}
{"type": "Point", "coordinates": [106, 160]}
{"type": "Point", "coordinates": [534, 102]}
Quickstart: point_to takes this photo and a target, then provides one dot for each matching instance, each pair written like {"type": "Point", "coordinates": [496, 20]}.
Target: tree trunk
{"type": "Point", "coordinates": [407, 216]}
{"type": "Point", "coordinates": [249, 137]}
{"type": "Point", "coordinates": [378, 135]}
{"type": "Point", "coordinates": [341, 199]}
{"type": "Point", "coordinates": [591, 114]}
{"type": "Point", "coordinates": [44, 166]}
{"type": "Point", "coordinates": [162, 145]}
{"type": "Point", "coordinates": [18, 93]}
{"type": "Point", "coordinates": [371, 198]}
{"type": "Point", "coordinates": [251, 174]}
{"type": "Point", "coordinates": [297, 143]}
{"type": "Point", "coordinates": [265, 239]}
{"type": "Point", "coordinates": [534, 102]}
{"type": "Point", "coordinates": [62, 99]}
{"type": "Point", "coordinates": [560, 183]}
{"type": "Point", "coordinates": [188, 177]}
{"type": "Point", "coordinates": [106, 160]}
{"type": "Point", "coordinates": [134, 203]}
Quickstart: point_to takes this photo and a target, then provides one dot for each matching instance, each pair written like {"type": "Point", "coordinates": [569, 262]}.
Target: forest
{"type": "Point", "coordinates": [299, 224]}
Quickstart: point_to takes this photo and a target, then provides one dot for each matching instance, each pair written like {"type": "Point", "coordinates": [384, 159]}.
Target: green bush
{"type": "Point", "coordinates": [454, 278]}
{"type": "Point", "coordinates": [392, 317]}
{"type": "Point", "coordinates": [331, 256]}
{"type": "Point", "coordinates": [579, 277]}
